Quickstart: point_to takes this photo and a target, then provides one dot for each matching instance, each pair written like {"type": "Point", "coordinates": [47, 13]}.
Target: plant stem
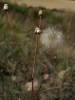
{"type": "Point", "coordinates": [45, 70]}
{"type": "Point", "coordinates": [48, 89]}
{"type": "Point", "coordinates": [30, 61]}
{"type": "Point", "coordinates": [45, 90]}
{"type": "Point", "coordinates": [37, 93]}
{"type": "Point", "coordinates": [40, 22]}
{"type": "Point", "coordinates": [32, 88]}
{"type": "Point", "coordinates": [36, 49]}
{"type": "Point", "coordinates": [35, 59]}
{"type": "Point", "coordinates": [34, 64]}
{"type": "Point", "coordinates": [18, 45]}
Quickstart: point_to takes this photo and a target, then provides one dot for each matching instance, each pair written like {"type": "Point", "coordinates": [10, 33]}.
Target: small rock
{"type": "Point", "coordinates": [45, 77]}
{"type": "Point", "coordinates": [14, 78]}
{"type": "Point", "coordinates": [62, 73]}
{"type": "Point", "coordinates": [28, 85]}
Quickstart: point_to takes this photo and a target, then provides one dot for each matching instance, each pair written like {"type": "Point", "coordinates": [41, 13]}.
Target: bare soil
{"type": "Point", "coordinates": [58, 4]}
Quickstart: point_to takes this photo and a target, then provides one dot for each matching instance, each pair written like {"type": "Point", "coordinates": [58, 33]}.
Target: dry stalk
{"type": "Point", "coordinates": [8, 15]}
{"type": "Point", "coordinates": [35, 59]}
{"type": "Point", "coordinates": [38, 92]}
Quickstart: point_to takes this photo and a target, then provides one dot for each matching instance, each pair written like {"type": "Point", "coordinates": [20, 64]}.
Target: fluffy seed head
{"type": "Point", "coordinates": [5, 7]}
{"type": "Point", "coordinates": [37, 30]}
{"type": "Point", "coordinates": [51, 37]}
{"type": "Point", "coordinates": [40, 12]}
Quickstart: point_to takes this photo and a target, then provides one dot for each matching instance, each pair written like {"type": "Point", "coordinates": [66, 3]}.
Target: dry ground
{"type": "Point", "coordinates": [59, 4]}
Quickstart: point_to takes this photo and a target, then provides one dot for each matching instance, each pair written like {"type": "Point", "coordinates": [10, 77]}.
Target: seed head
{"type": "Point", "coordinates": [51, 37]}
{"type": "Point", "coordinates": [37, 30]}
{"type": "Point", "coordinates": [5, 7]}
{"type": "Point", "coordinates": [40, 12]}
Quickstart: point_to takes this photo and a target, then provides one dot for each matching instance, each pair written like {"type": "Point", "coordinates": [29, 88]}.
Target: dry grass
{"type": "Point", "coordinates": [59, 4]}
{"type": "Point", "coordinates": [13, 75]}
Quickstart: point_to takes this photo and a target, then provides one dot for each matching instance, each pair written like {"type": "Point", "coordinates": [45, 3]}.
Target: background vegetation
{"type": "Point", "coordinates": [62, 62]}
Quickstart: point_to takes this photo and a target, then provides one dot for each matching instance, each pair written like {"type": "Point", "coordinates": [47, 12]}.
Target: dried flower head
{"type": "Point", "coordinates": [40, 13]}
{"type": "Point", "coordinates": [37, 30]}
{"type": "Point", "coordinates": [5, 7]}
{"type": "Point", "coordinates": [51, 37]}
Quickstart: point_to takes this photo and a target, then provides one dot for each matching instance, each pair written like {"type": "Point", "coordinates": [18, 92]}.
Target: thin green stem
{"type": "Point", "coordinates": [48, 89]}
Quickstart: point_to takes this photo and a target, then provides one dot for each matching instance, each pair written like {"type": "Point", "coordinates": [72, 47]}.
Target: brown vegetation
{"type": "Point", "coordinates": [58, 4]}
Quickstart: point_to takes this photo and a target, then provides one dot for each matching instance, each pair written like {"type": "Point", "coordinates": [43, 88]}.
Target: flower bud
{"type": "Point", "coordinates": [5, 7]}
{"type": "Point", "coordinates": [40, 13]}
{"type": "Point", "coordinates": [37, 30]}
